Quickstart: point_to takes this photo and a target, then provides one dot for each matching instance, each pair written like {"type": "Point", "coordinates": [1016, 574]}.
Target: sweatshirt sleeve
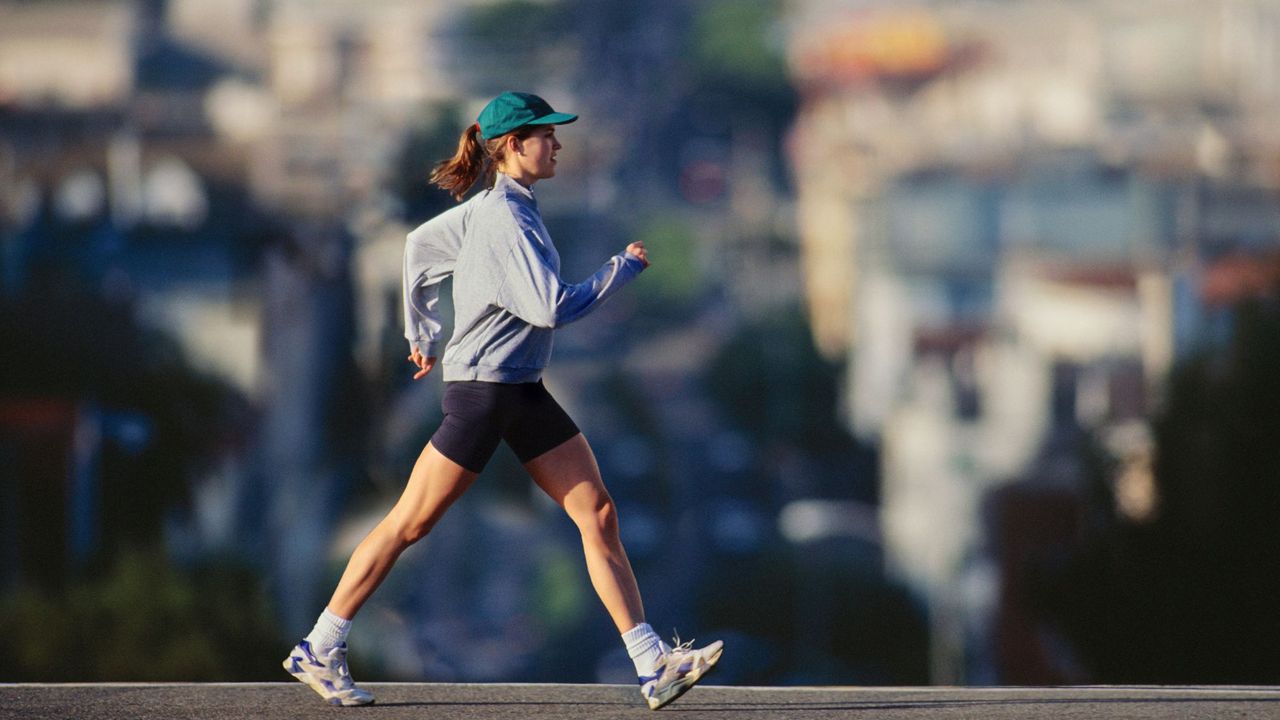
{"type": "Point", "coordinates": [533, 291]}
{"type": "Point", "coordinates": [430, 254]}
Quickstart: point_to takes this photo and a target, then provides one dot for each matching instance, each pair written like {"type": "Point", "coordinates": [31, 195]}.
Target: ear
{"type": "Point", "coordinates": [514, 145]}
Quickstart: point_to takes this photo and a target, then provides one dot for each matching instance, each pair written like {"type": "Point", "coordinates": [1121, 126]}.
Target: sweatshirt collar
{"type": "Point", "coordinates": [506, 184]}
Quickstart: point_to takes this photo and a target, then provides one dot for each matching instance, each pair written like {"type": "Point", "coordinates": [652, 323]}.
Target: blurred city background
{"type": "Point", "coordinates": [957, 364]}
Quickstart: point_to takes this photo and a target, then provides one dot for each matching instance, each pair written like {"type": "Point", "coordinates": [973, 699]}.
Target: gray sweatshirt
{"type": "Point", "coordinates": [507, 294]}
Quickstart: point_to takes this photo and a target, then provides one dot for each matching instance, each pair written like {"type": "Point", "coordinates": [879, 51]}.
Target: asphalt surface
{"type": "Point", "coordinates": [421, 701]}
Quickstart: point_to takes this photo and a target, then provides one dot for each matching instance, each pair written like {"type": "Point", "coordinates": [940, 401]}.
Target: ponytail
{"type": "Point", "coordinates": [457, 174]}
{"type": "Point", "coordinates": [475, 158]}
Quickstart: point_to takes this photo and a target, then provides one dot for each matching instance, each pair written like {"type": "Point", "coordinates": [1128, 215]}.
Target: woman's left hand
{"type": "Point", "coordinates": [637, 248]}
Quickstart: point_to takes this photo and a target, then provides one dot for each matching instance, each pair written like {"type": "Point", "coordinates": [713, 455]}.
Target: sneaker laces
{"type": "Point", "coordinates": [680, 646]}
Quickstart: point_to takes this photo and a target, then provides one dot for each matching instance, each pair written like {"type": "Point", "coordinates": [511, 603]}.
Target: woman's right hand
{"type": "Point", "coordinates": [424, 363]}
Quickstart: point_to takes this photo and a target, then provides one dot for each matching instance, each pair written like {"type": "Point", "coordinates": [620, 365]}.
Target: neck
{"type": "Point", "coordinates": [520, 177]}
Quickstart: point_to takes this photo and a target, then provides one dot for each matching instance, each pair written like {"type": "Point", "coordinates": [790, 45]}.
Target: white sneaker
{"type": "Point", "coordinates": [327, 675]}
{"type": "Point", "coordinates": [679, 669]}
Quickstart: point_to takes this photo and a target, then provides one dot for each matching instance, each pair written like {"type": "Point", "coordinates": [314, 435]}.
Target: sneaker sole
{"type": "Point", "coordinates": [694, 679]}
{"type": "Point", "coordinates": [320, 689]}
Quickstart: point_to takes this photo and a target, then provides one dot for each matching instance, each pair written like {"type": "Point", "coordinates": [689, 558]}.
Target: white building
{"type": "Point", "coordinates": [994, 215]}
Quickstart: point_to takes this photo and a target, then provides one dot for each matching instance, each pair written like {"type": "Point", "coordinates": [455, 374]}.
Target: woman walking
{"type": "Point", "coordinates": [508, 301]}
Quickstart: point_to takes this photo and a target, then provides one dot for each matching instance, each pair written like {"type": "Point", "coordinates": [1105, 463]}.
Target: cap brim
{"type": "Point", "coordinates": [554, 119]}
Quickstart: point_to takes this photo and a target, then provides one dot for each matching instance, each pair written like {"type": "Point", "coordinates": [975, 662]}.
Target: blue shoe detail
{"type": "Point", "coordinates": [329, 677]}
{"type": "Point", "coordinates": [311, 656]}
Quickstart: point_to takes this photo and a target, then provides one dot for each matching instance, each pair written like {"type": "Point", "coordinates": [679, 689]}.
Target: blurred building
{"type": "Point", "coordinates": [69, 54]}
{"type": "Point", "coordinates": [221, 152]}
{"type": "Point", "coordinates": [103, 148]}
{"type": "Point", "coordinates": [1007, 213]}
{"type": "Point", "coordinates": [234, 161]}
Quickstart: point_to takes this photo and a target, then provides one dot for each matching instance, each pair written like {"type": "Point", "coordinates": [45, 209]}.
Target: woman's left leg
{"type": "Point", "coordinates": [569, 474]}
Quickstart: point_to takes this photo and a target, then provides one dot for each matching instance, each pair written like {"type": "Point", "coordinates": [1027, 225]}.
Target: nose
{"type": "Point", "coordinates": [555, 144]}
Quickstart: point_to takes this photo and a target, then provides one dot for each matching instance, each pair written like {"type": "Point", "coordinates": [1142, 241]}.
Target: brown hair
{"type": "Point", "coordinates": [475, 158]}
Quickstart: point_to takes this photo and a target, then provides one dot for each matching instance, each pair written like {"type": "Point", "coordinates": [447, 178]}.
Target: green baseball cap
{"type": "Point", "coordinates": [512, 110]}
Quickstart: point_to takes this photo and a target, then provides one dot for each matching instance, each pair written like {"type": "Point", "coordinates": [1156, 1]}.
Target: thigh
{"type": "Point", "coordinates": [472, 424]}
{"type": "Point", "coordinates": [435, 482]}
{"type": "Point", "coordinates": [569, 474]}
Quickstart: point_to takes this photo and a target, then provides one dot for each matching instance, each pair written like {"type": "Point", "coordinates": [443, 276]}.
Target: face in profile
{"type": "Point", "coordinates": [537, 157]}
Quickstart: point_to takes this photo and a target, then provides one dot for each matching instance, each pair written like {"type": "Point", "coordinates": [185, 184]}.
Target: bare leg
{"type": "Point", "coordinates": [569, 474]}
{"type": "Point", "coordinates": [435, 482]}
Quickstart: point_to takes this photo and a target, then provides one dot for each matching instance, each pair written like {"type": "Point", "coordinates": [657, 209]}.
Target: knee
{"type": "Point", "coordinates": [413, 533]}
{"type": "Point", "coordinates": [408, 531]}
{"type": "Point", "coordinates": [599, 519]}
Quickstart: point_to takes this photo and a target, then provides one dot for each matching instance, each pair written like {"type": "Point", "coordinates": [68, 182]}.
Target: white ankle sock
{"type": "Point", "coordinates": [645, 648]}
{"type": "Point", "coordinates": [330, 632]}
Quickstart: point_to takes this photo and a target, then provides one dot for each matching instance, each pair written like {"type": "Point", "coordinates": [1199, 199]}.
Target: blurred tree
{"type": "Point", "coordinates": [769, 378]}
{"type": "Point", "coordinates": [776, 388]}
{"type": "Point", "coordinates": [673, 287]}
{"type": "Point", "coordinates": [740, 41]}
{"type": "Point", "coordinates": [738, 84]}
{"type": "Point", "coordinates": [831, 611]}
{"type": "Point", "coordinates": [513, 44]}
{"type": "Point", "coordinates": [434, 139]}
{"type": "Point", "coordinates": [124, 613]}
{"type": "Point", "coordinates": [829, 616]}
{"type": "Point", "coordinates": [63, 342]}
{"type": "Point", "coordinates": [143, 620]}
{"type": "Point", "coordinates": [535, 23]}
{"type": "Point", "coordinates": [1191, 597]}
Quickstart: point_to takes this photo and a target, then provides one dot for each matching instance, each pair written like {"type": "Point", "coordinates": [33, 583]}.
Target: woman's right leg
{"type": "Point", "coordinates": [435, 482]}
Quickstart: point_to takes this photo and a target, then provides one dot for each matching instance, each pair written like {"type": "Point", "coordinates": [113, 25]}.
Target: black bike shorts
{"type": "Point", "coordinates": [477, 415]}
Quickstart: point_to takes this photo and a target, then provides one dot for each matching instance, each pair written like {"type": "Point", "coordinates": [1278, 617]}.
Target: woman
{"type": "Point", "coordinates": [508, 300]}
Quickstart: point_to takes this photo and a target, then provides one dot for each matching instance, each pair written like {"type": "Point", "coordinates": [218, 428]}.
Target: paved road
{"type": "Point", "coordinates": [402, 701]}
